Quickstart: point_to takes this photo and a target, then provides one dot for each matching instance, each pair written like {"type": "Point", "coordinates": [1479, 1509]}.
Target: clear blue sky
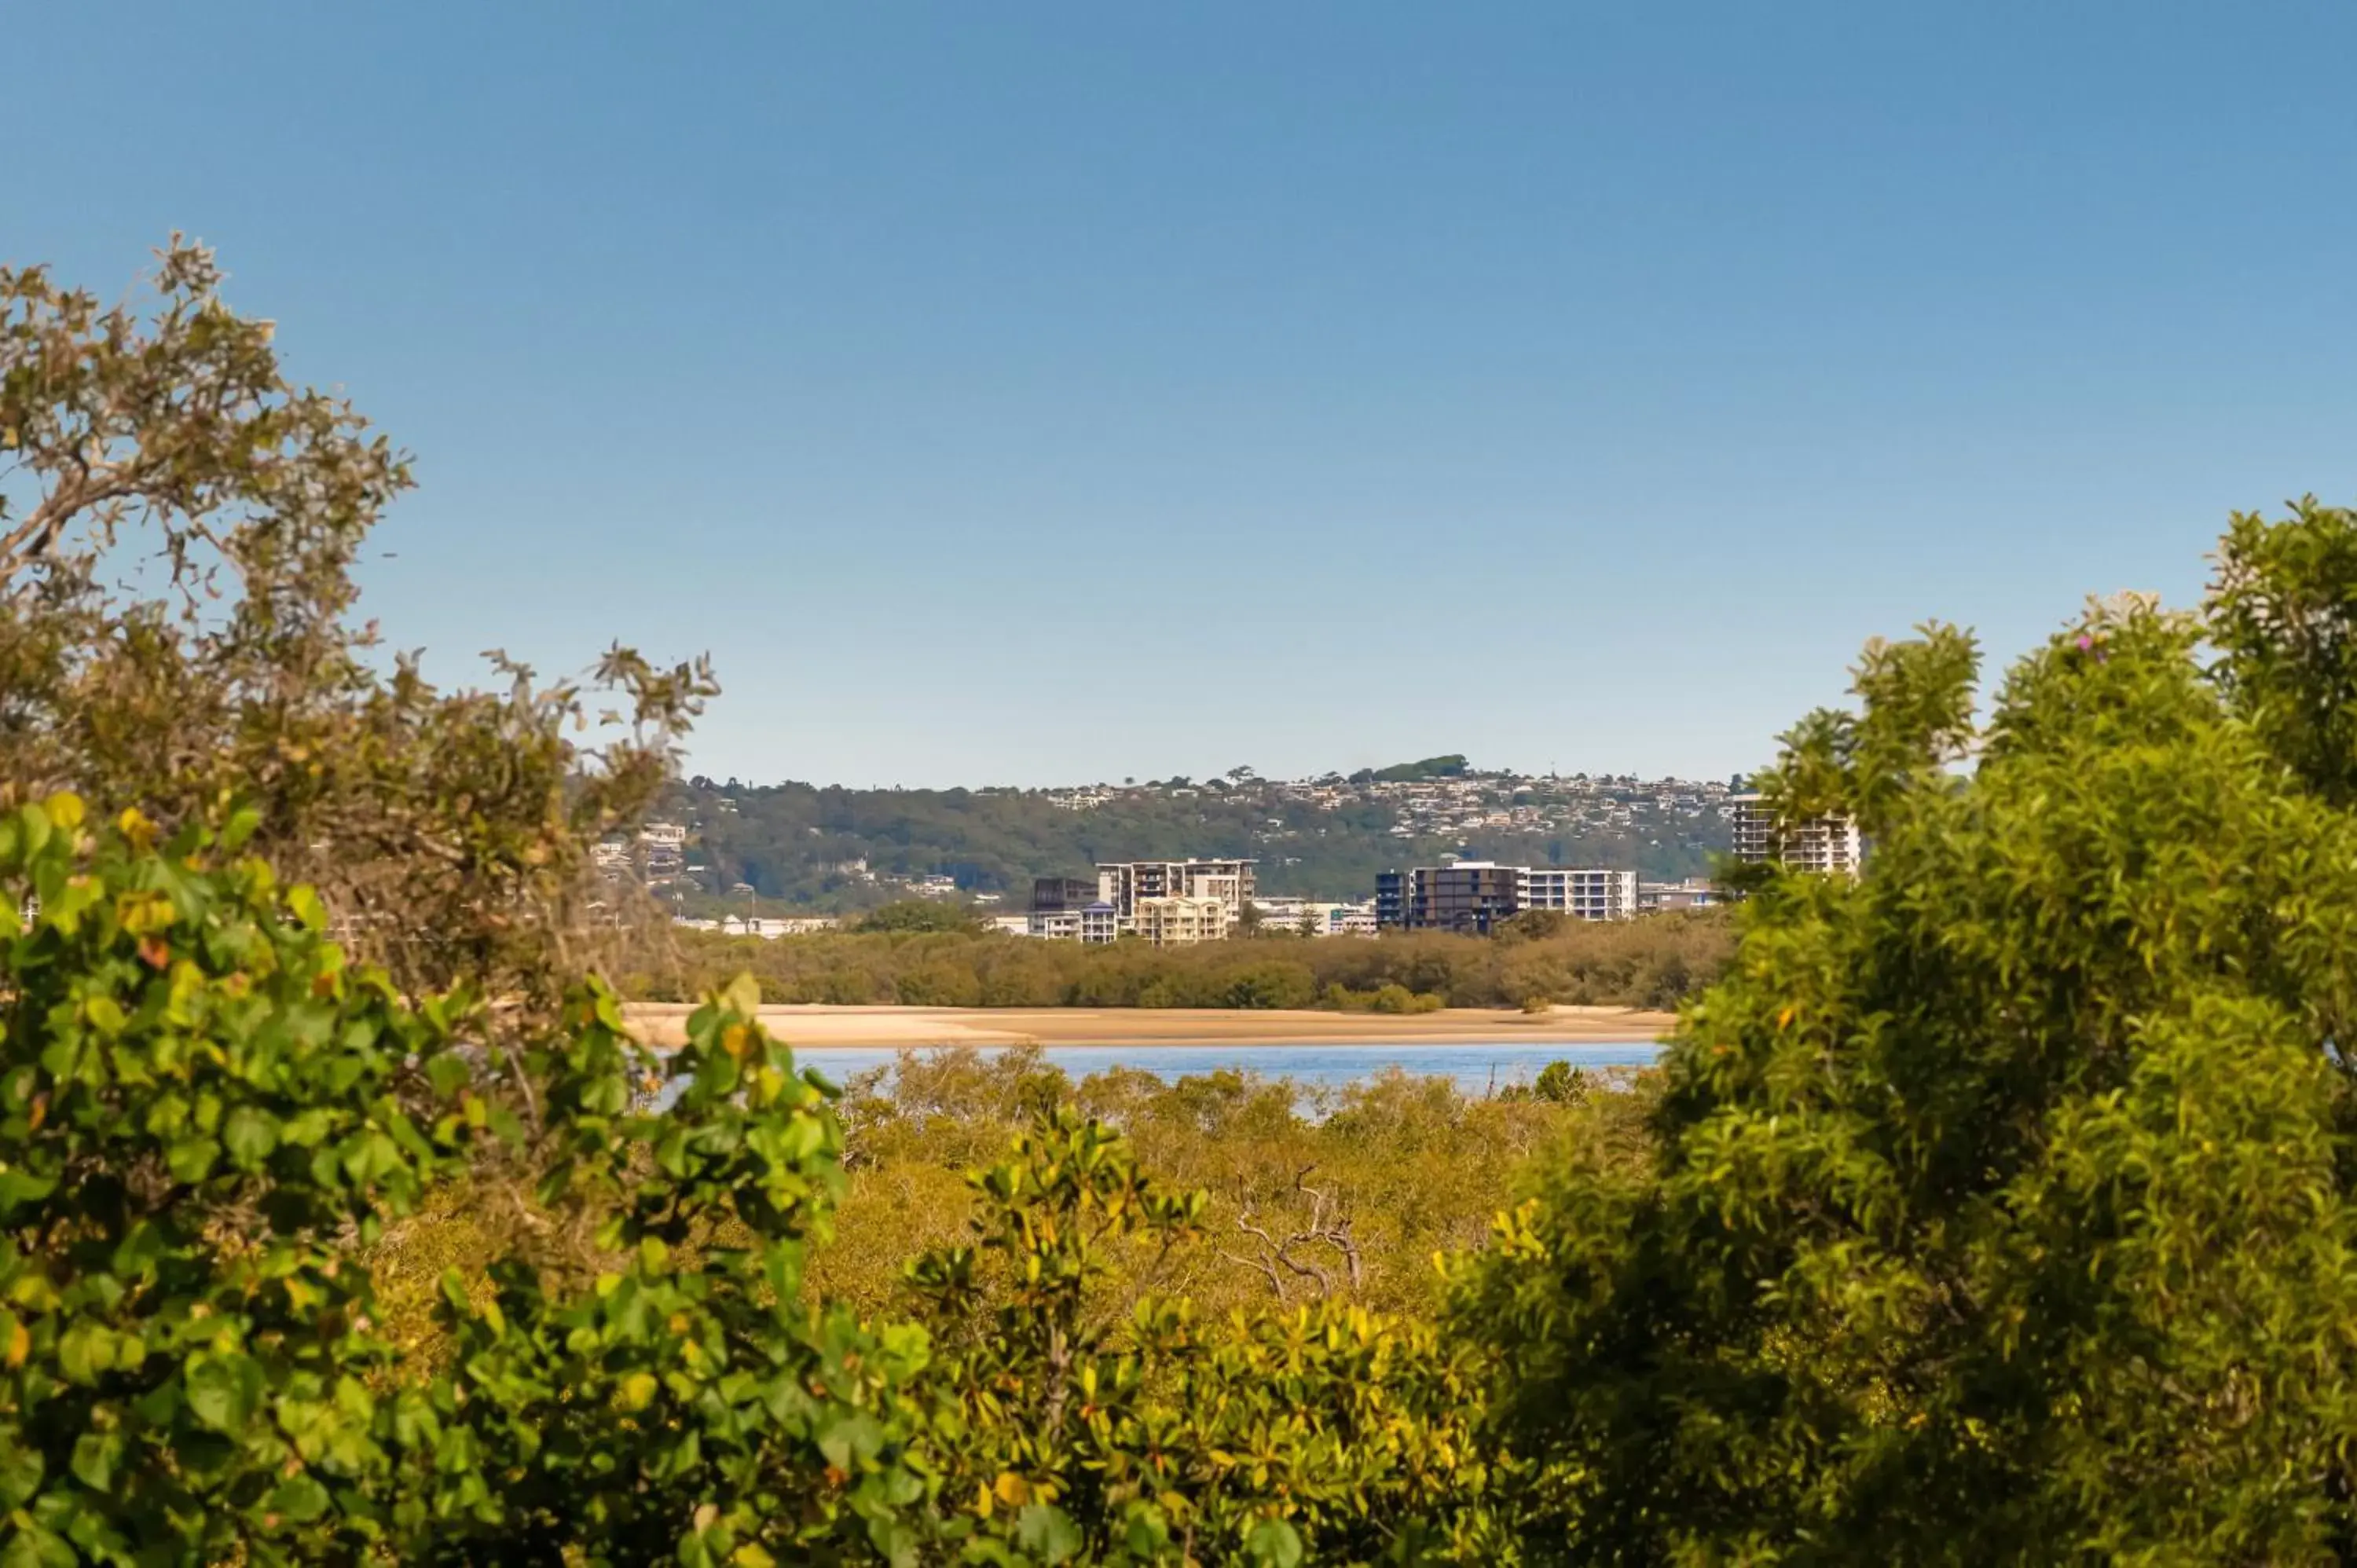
{"type": "Point", "coordinates": [1030, 393]}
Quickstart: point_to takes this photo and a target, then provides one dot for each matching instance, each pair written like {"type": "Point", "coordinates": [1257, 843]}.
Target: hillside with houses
{"type": "Point", "coordinates": [832, 849]}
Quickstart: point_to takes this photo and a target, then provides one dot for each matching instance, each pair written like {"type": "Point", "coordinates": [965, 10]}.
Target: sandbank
{"type": "Point", "coordinates": [818, 1028]}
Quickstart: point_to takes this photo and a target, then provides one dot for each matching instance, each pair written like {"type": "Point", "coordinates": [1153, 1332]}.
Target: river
{"type": "Point", "coordinates": [1476, 1069]}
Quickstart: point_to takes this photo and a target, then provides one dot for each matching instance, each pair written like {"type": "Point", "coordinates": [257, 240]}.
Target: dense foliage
{"type": "Point", "coordinates": [197, 1101]}
{"type": "Point", "coordinates": [1325, 1434]}
{"type": "Point", "coordinates": [2002, 1208]}
{"type": "Point", "coordinates": [1344, 1195]}
{"type": "Point", "coordinates": [1653, 963]}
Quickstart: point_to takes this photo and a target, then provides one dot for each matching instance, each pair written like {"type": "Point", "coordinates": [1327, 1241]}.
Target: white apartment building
{"type": "Point", "coordinates": [1171, 922]}
{"type": "Point", "coordinates": [1326, 918]}
{"type": "Point", "coordinates": [1584, 895]}
{"type": "Point", "coordinates": [1166, 902]}
{"type": "Point", "coordinates": [663, 845]}
{"type": "Point", "coordinates": [1828, 844]}
{"type": "Point", "coordinates": [766, 926]}
{"type": "Point", "coordinates": [657, 855]}
{"type": "Point", "coordinates": [1124, 883]}
{"type": "Point", "coordinates": [1095, 923]}
{"type": "Point", "coordinates": [1663, 897]}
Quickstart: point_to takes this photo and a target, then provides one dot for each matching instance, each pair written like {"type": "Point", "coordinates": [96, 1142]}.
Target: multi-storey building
{"type": "Point", "coordinates": [1181, 921]}
{"type": "Point", "coordinates": [656, 856]}
{"type": "Point", "coordinates": [770, 928]}
{"type": "Point", "coordinates": [1090, 923]}
{"type": "Point", "coordinates": [1468, 895]}
{"type": "Point", "coordinates": [1475, 894]}
{"type": "Point", "coordinates": [1830, 844]}
{"type": "Point", "coordinates": [1167, 902]}
{"type": "Point", "coordinates": [1314, 917]}
{"type": "Point", "coordinates": [662, 852]}
{"type": "Point", "coordinates": [1662, 897]}
{"type": "Point", "coordinates": [1123, 883]}
{"type": "Point", "coordinates": [1584, 895]}
{"type": "Point", "coordinates": [1051, 895]}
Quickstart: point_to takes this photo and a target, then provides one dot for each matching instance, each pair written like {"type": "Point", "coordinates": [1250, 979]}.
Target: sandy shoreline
{"type": "Point", "coordinates": [816, 1027]}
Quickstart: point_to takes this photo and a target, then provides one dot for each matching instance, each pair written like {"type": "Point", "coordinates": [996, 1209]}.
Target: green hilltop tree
{"type": "Point", "coordinates": [2002, 1208]}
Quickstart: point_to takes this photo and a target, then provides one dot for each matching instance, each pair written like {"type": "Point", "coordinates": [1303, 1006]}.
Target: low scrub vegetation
{"type": "Point", "coordinates": [1346, 1195]}
{"type": "Point", "coordinates": [1653, 963]}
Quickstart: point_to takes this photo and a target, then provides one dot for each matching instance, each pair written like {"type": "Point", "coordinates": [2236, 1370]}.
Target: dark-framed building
{"type": "Point", "coordinates": [1470, 895]}
{"type": "Point", "coordinates": [1059, 895]}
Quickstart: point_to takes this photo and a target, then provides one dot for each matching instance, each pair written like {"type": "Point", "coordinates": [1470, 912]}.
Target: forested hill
{"type": "Point", "coordinates": [832, 848]}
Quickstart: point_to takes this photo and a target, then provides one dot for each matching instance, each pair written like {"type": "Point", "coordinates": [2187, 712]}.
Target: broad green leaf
{"type": "Point", "coordinates": [96, 1456]}
{"type": "Point", "coordinates": [20, 1474]}
{"type": "Point", "coordinates": [249, 1135]}
{"type": "Point", "coordinates": [190, 1160]}
{"type": "Point", "coordinates": [1048, 1534]}
{"type": "Point", "coordinates": [305, 906]}
{"type": "Point", "coordinates": [1273, 1543]}
{"type": "Point", "coordinates": [84, 1350]}
{"type": "Point", "coordinates": [224, 1389]}
{"type": "Point", "coordinates": [31, 1546]}
{"type": "Point", "coordinates": [299, 1497]}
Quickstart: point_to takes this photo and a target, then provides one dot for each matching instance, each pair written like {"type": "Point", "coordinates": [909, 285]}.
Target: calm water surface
{"type": "Point", "coordinates": [1475, 1067]}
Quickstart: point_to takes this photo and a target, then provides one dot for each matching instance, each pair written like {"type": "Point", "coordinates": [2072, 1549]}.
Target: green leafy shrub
{"type": "Point", "coordinates": [207, 1117]}
{"type": "Point", "coordinates": [1323, 1435]}
{"type": "Point", "coordinates": [198, 1100]}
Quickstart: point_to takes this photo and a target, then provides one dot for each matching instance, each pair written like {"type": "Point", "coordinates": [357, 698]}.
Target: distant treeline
{"type": "Point", "coordinates": [1650, 962]}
